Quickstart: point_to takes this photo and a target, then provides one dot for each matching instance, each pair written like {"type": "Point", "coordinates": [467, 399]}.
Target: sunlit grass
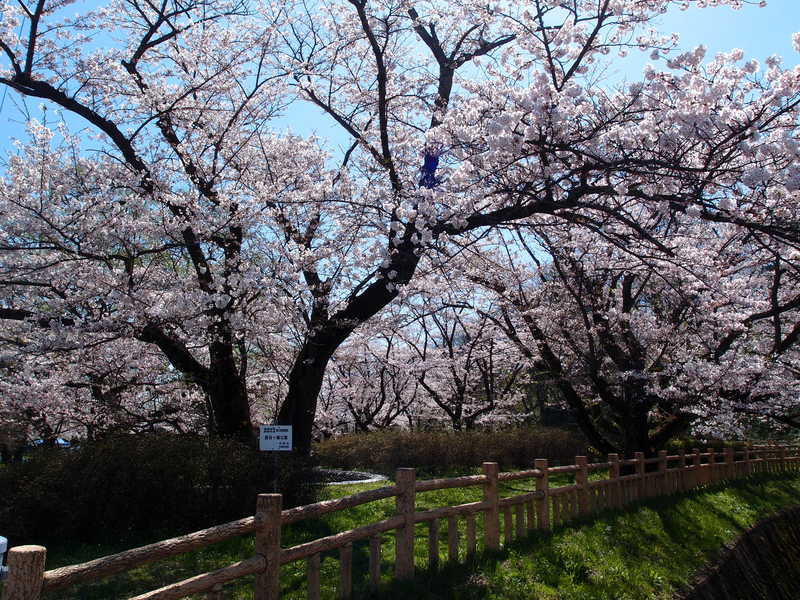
{"type": "Point", "coordinates": [648, 552]}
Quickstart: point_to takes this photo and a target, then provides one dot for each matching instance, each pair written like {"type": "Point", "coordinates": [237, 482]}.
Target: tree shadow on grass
{"type": "Point", "coordinates": [154, 575]}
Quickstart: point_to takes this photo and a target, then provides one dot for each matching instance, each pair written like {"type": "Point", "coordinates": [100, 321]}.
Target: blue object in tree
{"type": "Point", "coordinates": [428, 177]}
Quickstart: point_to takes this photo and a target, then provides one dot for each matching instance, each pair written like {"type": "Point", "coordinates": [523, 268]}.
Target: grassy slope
{"type": "Point", "coordinates": [645, 552]}
{"type": "Point", "coordinates": [648, 552]}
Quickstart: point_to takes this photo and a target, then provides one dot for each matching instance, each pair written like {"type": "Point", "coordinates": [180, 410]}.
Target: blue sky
{"type": "Point", "coordinates": [760, 32]}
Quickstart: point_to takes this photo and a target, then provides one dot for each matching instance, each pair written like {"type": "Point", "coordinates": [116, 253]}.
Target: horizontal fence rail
{"type": "Point", "coordinates": [543, 508]}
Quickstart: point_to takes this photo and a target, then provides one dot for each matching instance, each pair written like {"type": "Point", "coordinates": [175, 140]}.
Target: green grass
{"type": "Point", "coordinates": [648, 551]}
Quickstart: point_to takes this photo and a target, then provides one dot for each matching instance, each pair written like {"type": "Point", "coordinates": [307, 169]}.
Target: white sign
{"type": "Point", "coordinates": [275, 437]}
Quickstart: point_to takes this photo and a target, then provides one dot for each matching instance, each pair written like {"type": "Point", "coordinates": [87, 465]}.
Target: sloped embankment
{"type": "Point", "coordinates": [763, 564]}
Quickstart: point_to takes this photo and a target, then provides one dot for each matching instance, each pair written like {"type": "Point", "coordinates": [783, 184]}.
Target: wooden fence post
{"type": "Point", "coordinates": [640, 488]}
{"type": "Point", "coordinates": [786, 453]}
{"type": "Point", "coordinates": [346, 571]}
{"type": "Point", "coordinates": [694, 480]}
{"type": "Point", "coordinates": [682, 473]}
{"type": "Point", "coordinates": [543, 487]}
{"type": "Point", "coordinates": [712, 468]}
{"type": "Point", "coordinates": [452, 538]}
{"type": "Point", "coordinates": [433, 544]}
{"type": "Point", "coordinates": [613, 475]}
{"type": "Point", "coordinates": [375, 562]}
{"type": "Point", "coordinates": [662, 486]}
{"type": "Point", "coordinates": [729, 463]}
{"type": "Point", "coordinates": [519, 519]}
{"type": "Point", "coordinates": [25, 573]}
{"type": "Point", "coordinates": [508, 526]}
{"type": "Point", "coordinates": [530, 515]}
{"type": "Point", "coordinates": [268, 545]}
{"type": "Point", "coordinates": [492, 514]}
{"type": "Point", "coordinates": [312, 576]}
{"type": "Point", "coordinates": [696, 467]}
{"type": "Point", "coordinates": [406, 505]}
{"type": "Point", "coordinates": [748, 458]}
{"type": "Point", "coordinates": [744, 469]}
{"type": "Point", "coordinates": [472, 547]}
{"type": "Point", "coordinates": [741, 469]}
{"type": "Point", "coordinates": [582, 480]}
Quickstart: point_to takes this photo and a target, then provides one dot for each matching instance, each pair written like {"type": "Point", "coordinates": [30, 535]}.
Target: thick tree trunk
{"type": "Point", "coordinates": [541, 397]}
{"type": "Point", "coordinates": [305, 381]}
{"type": "Point", "coordinates": [227, 394]}
{"type": "Point", "coordinates": [329, 331]}
{"type": "Point", "coordinates": [456, 417]}
{"type": "Point", "coordinates": [634, 429]}
{"type": "Point", "coordinates": [230, 408]}
{"type": "Point", "coordinates": [224, 381]}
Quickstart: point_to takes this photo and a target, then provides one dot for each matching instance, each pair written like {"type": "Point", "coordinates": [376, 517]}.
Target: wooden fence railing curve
{"type": "Point", "coordinates": [544, 508]}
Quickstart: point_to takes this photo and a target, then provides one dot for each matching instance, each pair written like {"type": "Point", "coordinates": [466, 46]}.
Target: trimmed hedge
{"type": "Point", "coordinates": [446, 451]}
{"type": "Point", "coordinates": [124, 485]}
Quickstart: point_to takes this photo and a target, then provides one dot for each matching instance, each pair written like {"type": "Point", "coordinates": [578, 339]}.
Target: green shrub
{"type": "Point", "coordinates": [447, 451]}
{"type": "Point", "coordinates": [125, 486]}
{"type": "Point", "coordinates": [689, 444]}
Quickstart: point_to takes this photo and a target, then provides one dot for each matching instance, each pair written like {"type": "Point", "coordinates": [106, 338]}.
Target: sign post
{"type": "Point", "coordinates": [275, 439]}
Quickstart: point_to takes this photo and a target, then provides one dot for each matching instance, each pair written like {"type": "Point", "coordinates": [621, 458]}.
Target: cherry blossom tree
{"type": "Point", "coordinates": [370, 384]}
{"type": "Point", "coordinates": [643, 346]}
{"type": "Point", "coordinates": [462, 365]}
{"type": "Point", "coordinates": [92, 391]}
{"type": "Point", "coordinates": [181, 220]}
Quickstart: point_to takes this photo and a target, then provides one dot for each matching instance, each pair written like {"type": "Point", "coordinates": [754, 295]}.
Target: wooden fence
{"type": "Point", "coordinates": [622, 482]}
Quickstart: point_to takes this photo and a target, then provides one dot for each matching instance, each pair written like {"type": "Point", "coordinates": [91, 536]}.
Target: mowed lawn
{"type": "Point", "coordinates": [648, 551]}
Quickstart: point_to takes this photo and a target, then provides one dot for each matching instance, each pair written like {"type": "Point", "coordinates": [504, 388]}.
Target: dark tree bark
{"type": "Point", "coordinates": [227, 394]}
{"type": "Point", "coordinates": [224, 381]}
{"type": "Point", "coordinates": [305, 381]}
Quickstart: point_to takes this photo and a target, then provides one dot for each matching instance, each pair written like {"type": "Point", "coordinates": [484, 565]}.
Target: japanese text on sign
{"type": "Point", "coordinates": [275, 437]}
